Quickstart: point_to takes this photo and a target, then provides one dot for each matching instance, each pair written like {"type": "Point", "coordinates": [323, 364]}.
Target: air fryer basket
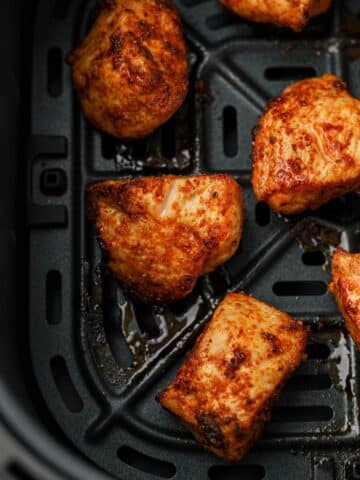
{"type": "Point", "coordinates": [99, 358]}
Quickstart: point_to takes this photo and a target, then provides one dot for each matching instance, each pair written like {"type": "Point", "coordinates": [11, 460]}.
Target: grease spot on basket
{"type": "Point", "coordinates": [319, 240]}
{"type": "Point", "coordinates": [132, 327]}
{"type": "Point", "coordinates": [341, 357]}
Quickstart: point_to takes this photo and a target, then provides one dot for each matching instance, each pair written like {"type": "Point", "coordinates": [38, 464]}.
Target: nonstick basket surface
{"type": "Point", "coordinates": [100, 358]}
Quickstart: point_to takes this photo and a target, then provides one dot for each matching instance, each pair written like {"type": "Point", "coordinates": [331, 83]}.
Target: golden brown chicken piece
{"type": "Point", "coordinates": [162, 233]}
{"type": "Point", "coordinates": [306, 148]}
{"type": "Point", "coordinates": [345, 287]}
{"type": "Point", "coordinates": [225, 389]}
{"type": "Point", "coordinates": [131, 71]}
{"type": "Point", "coordinates": [294, 14]}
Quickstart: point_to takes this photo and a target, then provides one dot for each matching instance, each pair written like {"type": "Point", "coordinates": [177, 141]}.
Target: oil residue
{"type": "Point", "coordinates": [154, 159]}
{"type": "Point", "coordinates": [315, 237]}
{"type": "Point", "coordinates": [338, 362]}
{"type": "Point", "coordinates": [338, 365]}
{"type": "Point", "coordinates": [340, 358]}
{"type": "Point", "coordinates": [171, 323]}
{"type": "Point", "coordinates": [318, 237]}
{"type": "Point", "coordinates": [92, 316]}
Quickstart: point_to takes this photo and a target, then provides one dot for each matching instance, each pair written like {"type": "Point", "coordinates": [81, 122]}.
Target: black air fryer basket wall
{"type": "Point", "coordinates": [79, 388]}
{"type": "Point", "coordinates": [31, 446]}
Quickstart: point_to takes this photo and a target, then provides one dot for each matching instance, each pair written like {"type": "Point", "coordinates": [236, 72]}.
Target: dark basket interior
{"type": "Point", "coordinates": [99, 384]}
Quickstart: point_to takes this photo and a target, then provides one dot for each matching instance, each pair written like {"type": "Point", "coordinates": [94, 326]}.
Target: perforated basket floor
{"type": "Point", "coordinates": [98, 357]}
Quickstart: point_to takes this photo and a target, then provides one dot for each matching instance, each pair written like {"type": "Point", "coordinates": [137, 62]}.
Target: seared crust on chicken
{"type": "Point", "coordinates": [306, 147]}
{"type": "Point", "coordinates": [131, 71]}
{"type": "Point", "coordinates": [345, 287]}
{"type": "Point", "coordinates": [162, 233]}
{"type": "Point", "coordinates": [225, 389]}
{"type": "Point", "coordinates": [294, 14]}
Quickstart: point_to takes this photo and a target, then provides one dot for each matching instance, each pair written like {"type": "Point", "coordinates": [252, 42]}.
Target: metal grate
{"type": "Point", "coordinates": [100, 358]}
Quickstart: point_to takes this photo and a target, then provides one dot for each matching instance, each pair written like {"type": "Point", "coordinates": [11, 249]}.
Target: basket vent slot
{"type": "Point", "coordinates": [65, 385]}
{"type": "Point", "coordinates": [286, 74]}
{"type": "Point", "coordinates": [230, 131]}
{"type": "Point", "coordinates": [111, 301]}
{"type": "Point", "coordinates": [262, 214]}
{"type": "Point", "coordinates": [303, 383]}
{"type": "Point", "coordinates": [318, 351]}
{"type": "Point", "coordinates": [316, 258]}
{"type": "Point", "coordinates": [146, 464]}
{"type": "Point", "coordinates": [236, 472]}
{"type": "Point", "coordinates": [139, 149]}
{"type": "Point", "coordinates": [55, 72]}
{"type": "Point", "coordinates": [146, 320]}
{"type": "Point", "coordinates": [299, 288]}
{"type": "Point", "coordinates": [168, 139]}
{"type": "Point", "coordinates": [53, 297]}
{"type": "Point", "coordinates": [108, 147]}
{"type": "Point", "coordinates": [299, 414]}
{"type": "Point", "coordinates": [17, 472]}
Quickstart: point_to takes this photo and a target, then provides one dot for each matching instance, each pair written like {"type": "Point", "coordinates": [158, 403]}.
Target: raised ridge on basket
{"type": "Point", "coordinates": [145, 463]}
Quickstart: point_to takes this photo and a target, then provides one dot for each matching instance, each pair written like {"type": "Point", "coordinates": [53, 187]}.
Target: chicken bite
{"type": "Point", "coordinates": [306, 147]}
{"type": "Point", "coordinates": [162, 233]}
{"type": "Point", "coordinates": [225, 389]}
{"type": "Point", "coordinates": [345, 286]}
{"type": "Point", "coordinates": [283, 13]}
{"type": "Point", "coordinates": [131, 71]}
